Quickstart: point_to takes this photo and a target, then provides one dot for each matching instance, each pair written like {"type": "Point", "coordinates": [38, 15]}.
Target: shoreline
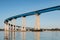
{"type": "Point", "coordinates": [41, 30]}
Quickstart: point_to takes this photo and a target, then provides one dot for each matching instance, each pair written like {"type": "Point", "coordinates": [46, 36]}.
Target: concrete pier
{"type": "Point", "coordinates": [23, 24]}
{"type": "Point", "coordinates": [37, 24]}
{"type": "Point", "coordinates": [6, 27]}
{"type": "Point", "coordinates": [13, 23]}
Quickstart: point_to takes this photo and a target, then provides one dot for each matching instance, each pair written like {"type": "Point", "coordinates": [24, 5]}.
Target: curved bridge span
{"type": "Point", "coordinates": [37, 13]}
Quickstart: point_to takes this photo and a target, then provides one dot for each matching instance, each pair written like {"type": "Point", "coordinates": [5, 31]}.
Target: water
{"type": "Point", "coordinates": [51, 35]}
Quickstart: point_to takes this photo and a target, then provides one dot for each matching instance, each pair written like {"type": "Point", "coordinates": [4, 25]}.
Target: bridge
{"type": "Point", "coordinates": [10, 23]}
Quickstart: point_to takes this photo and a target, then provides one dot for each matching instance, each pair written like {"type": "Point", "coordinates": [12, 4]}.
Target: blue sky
{"type": "Point", "coordinates": [10, 8]}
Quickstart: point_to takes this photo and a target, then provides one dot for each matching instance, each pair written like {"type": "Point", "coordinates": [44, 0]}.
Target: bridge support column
{"type": "Point", "coordinates": [23, 24]}
{"type": "Point", "coordinates": [37, 24]}
{"type": "Point", "coordinates": [14, 23]}
{"type": "Point", "coordinates": [6, 27]}
{"type": "Point", "coordinates": [9, 25]}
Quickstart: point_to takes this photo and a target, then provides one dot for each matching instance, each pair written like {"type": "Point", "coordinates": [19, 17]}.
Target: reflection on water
{"type": "Point", "coordinates": [12, 35]}
{"type": "Point", "coordinates": [37, 35]}
{"type": "Point", "coordinates": [23, 35]}
{"type": "Point", "coordinates": [6, 35]}
{"type": "Point", "coordinates": [9, 35]}
{"type": "Point", "coordinates": [47, 35]}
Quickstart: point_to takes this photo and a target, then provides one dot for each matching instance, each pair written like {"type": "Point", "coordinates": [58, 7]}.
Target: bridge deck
{"type": "Point", "coordinates": [34, 12]}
